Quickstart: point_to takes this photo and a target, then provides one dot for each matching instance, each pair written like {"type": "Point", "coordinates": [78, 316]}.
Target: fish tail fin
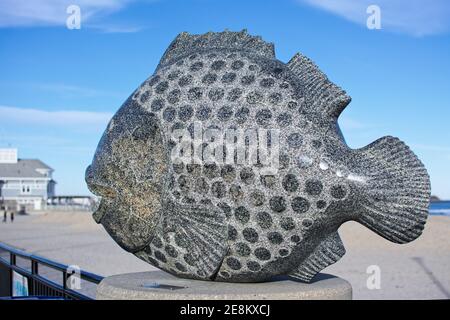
{"type": "Point", "coordinates": [396, 194]}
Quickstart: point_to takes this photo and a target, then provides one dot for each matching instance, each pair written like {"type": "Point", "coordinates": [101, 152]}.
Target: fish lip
{"type": "Point", "coordinates": [97, 216]}
{"type": "Point", "coordinates": [102, 209]}
{"type": "Point", "coordinates": [99, 188]}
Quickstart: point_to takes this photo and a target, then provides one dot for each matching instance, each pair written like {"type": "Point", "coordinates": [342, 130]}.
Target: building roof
{"type": "Point", "coordinates": [24, 168]}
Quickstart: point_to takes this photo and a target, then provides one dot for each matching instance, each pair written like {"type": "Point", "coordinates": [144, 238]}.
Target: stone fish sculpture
{"type": "Point", "coordinates": [237, 223]}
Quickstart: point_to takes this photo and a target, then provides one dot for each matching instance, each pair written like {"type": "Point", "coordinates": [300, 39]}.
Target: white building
{"type": "Point", "coordinates": [24, 182]}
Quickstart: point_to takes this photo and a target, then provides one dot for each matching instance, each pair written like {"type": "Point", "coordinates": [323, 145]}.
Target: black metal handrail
{"type": "Point", "coordinates": [39, 285]}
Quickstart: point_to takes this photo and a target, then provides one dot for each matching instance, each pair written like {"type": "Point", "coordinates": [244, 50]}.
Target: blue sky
{"type": "Point", "coordinates": [59, 87]}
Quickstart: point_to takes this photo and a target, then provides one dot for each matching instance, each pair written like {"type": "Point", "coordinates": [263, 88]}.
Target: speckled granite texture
{"type": "Point", "coordinates": [273, 211]}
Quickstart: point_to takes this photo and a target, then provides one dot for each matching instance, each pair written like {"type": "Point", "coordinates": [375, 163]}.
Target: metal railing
{"type": "Point", "coordinates": [38, 285]}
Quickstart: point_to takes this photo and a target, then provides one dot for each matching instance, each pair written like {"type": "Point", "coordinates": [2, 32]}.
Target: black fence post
{"type": "Point", "coordinates": [12, 261]}
{"type": "Point", "coordinates": [37, 284]}
{"type": "Point", "coordinates": [33, 283]}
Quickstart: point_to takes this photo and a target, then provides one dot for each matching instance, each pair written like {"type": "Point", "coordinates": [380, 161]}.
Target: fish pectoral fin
{"type": "Point", "coordinates": [202, 231]}
{"type": "Point", "coordinates": [326, 253]}
{"type": "Point", "coordinates": [323, 95]}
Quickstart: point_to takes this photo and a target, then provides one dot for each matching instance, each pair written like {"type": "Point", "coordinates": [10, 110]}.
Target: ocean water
{"type": "Point", "coordinates": [440, 208]}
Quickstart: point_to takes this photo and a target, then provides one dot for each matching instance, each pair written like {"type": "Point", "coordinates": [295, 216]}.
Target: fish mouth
{"type": "Point", "coordinates": [100, 211]}
{"type": "Point", "coordinates": [102, 190]}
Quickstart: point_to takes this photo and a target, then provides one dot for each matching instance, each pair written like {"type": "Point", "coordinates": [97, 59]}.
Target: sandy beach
{"type": "Point", "coordinates": [419, 270]}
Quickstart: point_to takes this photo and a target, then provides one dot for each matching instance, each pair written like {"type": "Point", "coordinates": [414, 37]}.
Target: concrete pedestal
{"type": "Point", "coordinates": [158, 285]}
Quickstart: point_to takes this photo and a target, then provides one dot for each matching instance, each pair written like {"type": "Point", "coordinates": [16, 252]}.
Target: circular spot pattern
{"type": "Point", "coordinates": [185, 80]}
{"type": "Point", "coordinates": [257, 198]}
{"type": "Point", "coordinates": [242, 215]}
{"type": "Point", "coordinates": [228, 173]}
{"type": "Point", "coordinates": [236, 65]}
{"type": "Point", "coordinates": [232, 233]}
{"type": "Point", "coordinates": [263, 117]}
{"type": "Point", "coordinates": [162, 87]}
{"type": "Point", "coordinates": [277, 204]}
{"type": "Point", "coordinates": [174, 96]}
{"type": "Point", "coordinates": [254, 97]}
{"type": "Point", "coordinates": [247, 80]}
{"type": "Point", "coordinates": [267, 82]}
{"type": "Point", "coordinates": [211, 170]}
{"type": "Point", "coordinates": [262, 254]}
{"type": "Point", "coordinates": [203, 113]}
{"type": "Point", "coordinates": [171, 251]}
{"type": "Point", "coordinates": [218, 65]}
{"type": "Point", "coordinates": [169, 114]}
{"type": "Point", "coordinates": [300, 205]}
{"type": "Point", "coordinates": [294, 140]}
{"type": "Point", "coordinates": [196, 66]}
{"type": "Point", "coordinates": [264, 220]}
{"type": "Point", "coordinates": [284, 119]}
{"type": "Point", "coordinates": [321, 204]}
{"type": "Point", "coordinates": [253, 266]}
{"type": "Point", "coordinates": [185, 113]}
{"type": "Point", "coordinates": [287, 223]}
{"type": "Point", "coordinates": [275, 98]}
{"type": "Point", "coordinates": [236, 192]}
{"type": "Point", "coordinates": [195, 93]}
{"type": "Point", "coordinates": [229, 77]}
{"type": "Point", "coordinates": [338, 192]}
{"type": "Point", "coordinates": [216, 94]}
{"type": "Point", "coordinates": [250, 235]}
{"type": "Point", "coordinates": [201, 186]}
{"type": "Point", "coordinates": [290, 183]}
{"type": "Point", "coordinates": [242, 114]}
{"type": "Point", "coordinates": [209, 78]}
{"type": "Point", "coordinates": [313, 187]}
{"type": "Point", "coordinates": [275, 237]}
{"type": "Point", "coordinates": [233, 263]}
{"type": "Point", "coordinates": [307, 223]}
{"type": "Point", "coordinates": [247, 175]}
{"type": "Point", "coordinates": [160, 256]}
{"type": "Point", "coordinates": [234, 94]}
{"type": "Point", "coordinates": [180, 267]}
{"type": "Point", "coordinates": [218, 189]}
{"type": "Point", "coordinates": [243, 249]}
{"type": "Point", "coordinates": [157, 104]}
{"type": "Point", "coordinates": [224, 113]}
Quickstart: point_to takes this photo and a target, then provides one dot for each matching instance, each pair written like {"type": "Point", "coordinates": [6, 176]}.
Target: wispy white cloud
{"type": "Point", "coordinates": [116, 28]}
{"type": "Point", "coordinates": [414, 17]}
{"type": "Point", "coordinates": [83, 119]}
{"type": "Point", "coordinates": [30, 13]}
{"type": "Point", "coordinates": [71, 90]}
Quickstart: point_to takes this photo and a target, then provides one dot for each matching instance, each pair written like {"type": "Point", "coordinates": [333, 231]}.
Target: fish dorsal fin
{"type": "Point", "coordinates": [191, 43]}
{"type": "Point", "coordinates": [326, 253]}
{"type": "Point", "coordinates": [320, 93]}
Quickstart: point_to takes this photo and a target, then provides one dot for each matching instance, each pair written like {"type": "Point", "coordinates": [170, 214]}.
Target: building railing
{"type": "Point", "coordinates": [39, 285]}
